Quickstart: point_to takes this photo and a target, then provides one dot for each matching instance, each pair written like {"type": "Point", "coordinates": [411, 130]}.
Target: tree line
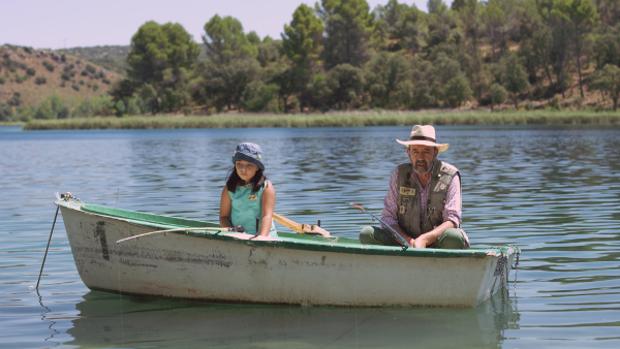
{"type": "Point", "coordinates": [341, 55]}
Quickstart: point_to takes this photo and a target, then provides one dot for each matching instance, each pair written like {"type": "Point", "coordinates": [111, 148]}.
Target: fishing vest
{"type": "Point", "coordinates": [410, 216]}
{"type": "Point", "coordinates": [246, 209]}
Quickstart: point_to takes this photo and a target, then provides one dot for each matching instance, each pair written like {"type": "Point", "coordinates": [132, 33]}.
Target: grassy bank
{"type": "Point", "coordinates": [341, 119]}
{"type": "Point", "coordinates": [11, 123]}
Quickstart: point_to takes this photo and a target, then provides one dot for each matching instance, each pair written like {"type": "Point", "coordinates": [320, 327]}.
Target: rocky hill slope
{"type": "Point", "coordinates": [29, 76]}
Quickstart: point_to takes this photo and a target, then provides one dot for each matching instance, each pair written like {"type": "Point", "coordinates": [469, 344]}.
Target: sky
{"type": "Point", "coordinates": [69, 23]}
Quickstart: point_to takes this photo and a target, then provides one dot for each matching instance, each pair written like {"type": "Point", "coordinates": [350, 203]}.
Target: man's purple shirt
{"type": "Point", "coordinates": [452, 207]}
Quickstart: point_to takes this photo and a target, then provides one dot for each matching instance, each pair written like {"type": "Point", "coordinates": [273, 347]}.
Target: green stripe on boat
{"type": "Point", "coordinates": [289, 240]}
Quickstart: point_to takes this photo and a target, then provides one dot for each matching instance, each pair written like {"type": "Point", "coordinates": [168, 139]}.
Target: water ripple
{"type": "Point", "coordinates": [553, 192]}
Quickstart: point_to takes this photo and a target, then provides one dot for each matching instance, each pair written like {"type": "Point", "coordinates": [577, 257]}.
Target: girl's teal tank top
{"type": "Point", "coordinates": [246, 209]}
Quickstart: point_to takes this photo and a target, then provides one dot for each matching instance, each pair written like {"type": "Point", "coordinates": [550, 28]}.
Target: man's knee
{"type": "Point", "coordinates": [367, 235]}
{"type": "Point", "coordinates": [453, 238]}
{"type": "Point", "coordinates": [376, 236]}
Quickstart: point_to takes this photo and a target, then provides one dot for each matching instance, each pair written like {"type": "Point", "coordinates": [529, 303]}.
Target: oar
{"type": "Point", "coordinates": [120, 241]}
{"type": "Point", "coordinates": [300, 227]}
{"type": "Point", "coordinates": [394, 233]}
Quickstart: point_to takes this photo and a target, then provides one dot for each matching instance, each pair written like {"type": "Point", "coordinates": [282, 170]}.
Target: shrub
{"type": "Point", "coordinates": [6, 112]}
{"type": "Point", "coordinates": [103, 105]}
{"type": "Point", "coordinates": [31, 71]}
{"type": "Point", "coordinates": [457, 91]}
{"type": "Point", "coordinates": [148, 99]}
{"type": "Point", "coordinates": [319, 92]}
{"type": "Point", "coordinates": [40, 80]}
{"type": "Point", "coordinates": [90, 69]}
{"type": "Point", "coordinates": [259, 96]}
{"type": "Point", "coordinates": [607, 80]}
{"type": "Point", "coordinates": [133, 106]}
{"type": "Point", "coordinates": [49, 66]}
{"type": "Point", "coordinates": [346, 83]}
{"type": "Point", "coordinates": [84, 109]}
{"type": "Point", "coordinates": [498, 95]}
{"type": "Point", "coordinates": [52, 108]}
{"type": "Point", "coordinates": [120, 108]}
{"type": "Point", "coordinates": [66, 76]}
{"type": "Point", "coordinates": [23, 114]}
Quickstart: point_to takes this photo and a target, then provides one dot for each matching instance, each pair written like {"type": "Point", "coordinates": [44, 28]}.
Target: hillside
{"type": "Point", "coordinates": [112, 57]}
{"type": "Point", "coordinates": [29, 76]}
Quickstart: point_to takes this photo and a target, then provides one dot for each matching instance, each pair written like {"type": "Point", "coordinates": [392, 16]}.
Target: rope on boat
{"type": "Point", "coordinates": [516, 265]}
{"type": "Point", "coordinates": [217, 230]}
{"type": "Point", "coordinates": [49, 240]}
{"type": "Point", "coordinates": [517, 255]}
{"type": "Point", "coordinates": [502, 269]}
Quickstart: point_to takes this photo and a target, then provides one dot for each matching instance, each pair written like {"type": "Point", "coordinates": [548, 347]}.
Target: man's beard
{"type": "Point", "coordinates": [423, 167]}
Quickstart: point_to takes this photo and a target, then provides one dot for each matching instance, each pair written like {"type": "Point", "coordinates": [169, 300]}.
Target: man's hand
{"type": "Point", "coordinates": [421, 241]}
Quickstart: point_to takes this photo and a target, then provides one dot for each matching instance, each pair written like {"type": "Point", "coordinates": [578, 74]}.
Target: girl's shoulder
{"type": "Point", "coordinates": [268, 185]}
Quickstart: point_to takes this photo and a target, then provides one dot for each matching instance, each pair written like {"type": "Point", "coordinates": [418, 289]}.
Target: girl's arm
{"type": "Point", "coordinates": [225, 208]}
{"type": "Point", "coordinates": [268, 204]}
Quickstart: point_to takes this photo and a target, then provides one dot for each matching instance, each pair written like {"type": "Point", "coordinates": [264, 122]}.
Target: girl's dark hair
{"type": "Point", "coordinates": [234, 180]}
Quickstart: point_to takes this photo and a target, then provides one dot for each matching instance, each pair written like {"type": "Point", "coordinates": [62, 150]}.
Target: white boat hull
{"type": "Point", "coordinates": [229, 269]}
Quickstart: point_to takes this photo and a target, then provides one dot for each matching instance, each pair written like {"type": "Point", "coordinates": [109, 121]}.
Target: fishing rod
{"type": "Point", "coordinates": [393, 231]}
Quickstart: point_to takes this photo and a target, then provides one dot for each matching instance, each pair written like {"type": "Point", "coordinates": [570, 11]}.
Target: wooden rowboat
{"type": "Point", "coordinates": [198, 260]}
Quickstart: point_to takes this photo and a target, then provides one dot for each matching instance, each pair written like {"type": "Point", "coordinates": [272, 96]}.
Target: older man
{"type": "Point", "coordinates": [423, 203]}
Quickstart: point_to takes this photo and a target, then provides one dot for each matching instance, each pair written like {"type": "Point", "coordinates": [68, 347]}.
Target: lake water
{"type": "Point", "coordinates": [553, 192]}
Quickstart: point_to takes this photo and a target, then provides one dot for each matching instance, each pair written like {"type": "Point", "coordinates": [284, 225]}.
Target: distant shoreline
{"type": "Point", "coordinates": [333, 119]}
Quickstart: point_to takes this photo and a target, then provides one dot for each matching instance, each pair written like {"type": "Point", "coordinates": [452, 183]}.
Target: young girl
{"type": "Point", "coordinates": [248, 198]}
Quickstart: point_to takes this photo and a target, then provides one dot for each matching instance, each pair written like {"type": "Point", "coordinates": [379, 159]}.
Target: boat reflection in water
{"type": "Point", "coordinates": [137, 322]}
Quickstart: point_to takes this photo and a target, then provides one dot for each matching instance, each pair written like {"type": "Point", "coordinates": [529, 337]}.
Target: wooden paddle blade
{"type": "Point", "coordinates": [289, 223]}
{"type": "Point", "coordinates": [315, 229]}
{"type": "Point", "coordinates": [299, 227]}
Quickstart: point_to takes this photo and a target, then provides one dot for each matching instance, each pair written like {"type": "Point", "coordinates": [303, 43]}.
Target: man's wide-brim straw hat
{"type": "Point", "coordinates": [424, 135]}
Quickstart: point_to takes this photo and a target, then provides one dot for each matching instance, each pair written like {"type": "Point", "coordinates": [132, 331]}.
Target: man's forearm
{"type": "Point", "coordinates": [429, 238]}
